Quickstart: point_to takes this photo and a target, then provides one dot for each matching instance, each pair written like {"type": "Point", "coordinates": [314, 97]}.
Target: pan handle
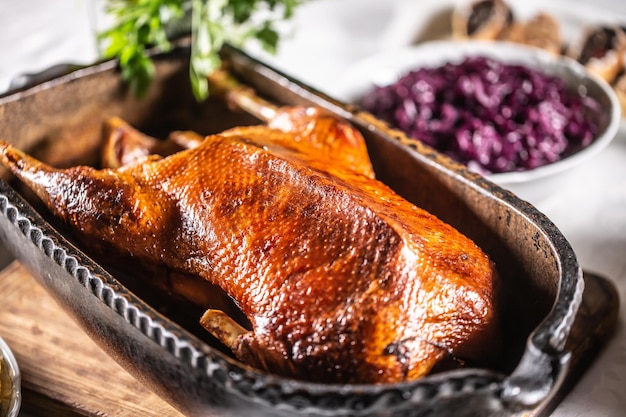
{"type": "Point", "coordinates": [537, 376]}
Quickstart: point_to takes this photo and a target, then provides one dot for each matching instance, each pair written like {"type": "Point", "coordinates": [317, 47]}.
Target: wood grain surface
{"type": "Point", "coordinates": [64, 373]}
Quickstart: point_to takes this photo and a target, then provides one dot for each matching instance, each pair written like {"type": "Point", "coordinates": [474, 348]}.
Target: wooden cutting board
{"type": "Point", "coordinates": [64, 373]}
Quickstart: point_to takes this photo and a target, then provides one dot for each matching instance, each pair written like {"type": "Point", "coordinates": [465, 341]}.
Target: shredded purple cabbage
{"type": "Point", "coordinates": [491, 116]}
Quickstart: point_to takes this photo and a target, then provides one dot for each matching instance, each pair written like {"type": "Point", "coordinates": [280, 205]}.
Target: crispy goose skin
{"type": "Point", "coordinates": [341, 279]}
{"type": "Point", "coordinates": [124, 144]}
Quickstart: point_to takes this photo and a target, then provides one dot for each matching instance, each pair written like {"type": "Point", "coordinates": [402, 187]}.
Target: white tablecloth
{"type": "Point", "coordinates": [330, 35]}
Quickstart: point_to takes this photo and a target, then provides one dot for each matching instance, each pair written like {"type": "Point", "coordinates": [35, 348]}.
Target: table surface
{"type": "Point", "coordinates": [324, 39]}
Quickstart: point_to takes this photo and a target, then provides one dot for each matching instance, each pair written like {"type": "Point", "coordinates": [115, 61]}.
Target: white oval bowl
{"type": "Point", "coordinates": [387, 67]}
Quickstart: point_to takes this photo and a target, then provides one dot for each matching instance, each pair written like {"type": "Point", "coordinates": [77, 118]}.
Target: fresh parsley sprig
{"type": "Point", "coordinates": [142, 24]}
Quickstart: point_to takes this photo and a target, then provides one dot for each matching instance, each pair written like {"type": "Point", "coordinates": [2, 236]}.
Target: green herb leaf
{"type": "Point", "coordinates": [143, 24]}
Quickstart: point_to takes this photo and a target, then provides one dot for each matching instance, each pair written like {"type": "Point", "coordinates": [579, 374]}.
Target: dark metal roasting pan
{"type": "Point", "coordinates": [59, 121]}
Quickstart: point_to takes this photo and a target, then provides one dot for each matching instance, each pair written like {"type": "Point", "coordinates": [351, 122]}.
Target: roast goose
{"type": "Point", "coordinates": [340, 278]}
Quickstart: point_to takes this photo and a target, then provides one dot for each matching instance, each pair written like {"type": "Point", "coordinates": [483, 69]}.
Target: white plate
{"type": "Point", "coordinates": [386, 67]}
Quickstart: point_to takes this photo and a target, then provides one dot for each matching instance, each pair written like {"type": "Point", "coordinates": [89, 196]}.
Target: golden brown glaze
{"type": "Point", "coordinates": [124, 144]}
{"type": "Point", "coordinates": [341, 279]}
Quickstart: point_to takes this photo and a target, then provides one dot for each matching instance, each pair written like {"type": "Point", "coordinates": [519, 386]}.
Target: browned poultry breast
{"type": "Point", "coordinates": [342, 280]}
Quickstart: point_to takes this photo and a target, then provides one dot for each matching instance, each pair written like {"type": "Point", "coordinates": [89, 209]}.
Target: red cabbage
{"type": "Point", "coordinates": [491, 116]}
